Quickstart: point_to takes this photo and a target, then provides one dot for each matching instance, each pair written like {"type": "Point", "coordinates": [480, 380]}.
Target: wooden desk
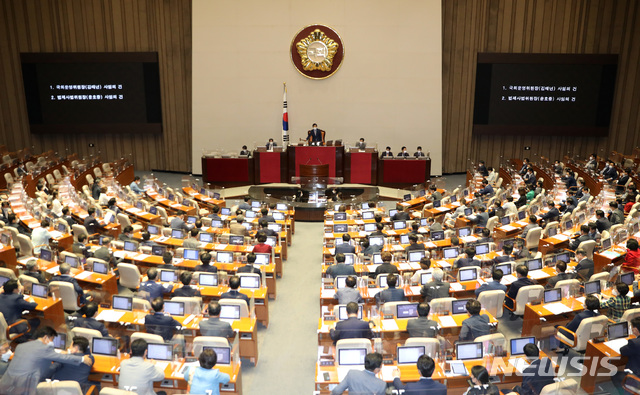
{"type": "Point", "coordinates": [270, 167]}
{"type": "Point", "coordinates": [534, 315]}
{"type": "Point", "coordinates": [50, 309]}
{"type": "Point", "coordinates": [171, 205]}
{"type": "Point", "coordinates": [301, 155]}
{"type": "Point", "coordinates": [140, 215]}
{"type": "Point", "coordinates": [594, 354]}
{"type": "Point", "coordinates": [203, 199]}
{"type": "Point", "coordinates": [8, 256]}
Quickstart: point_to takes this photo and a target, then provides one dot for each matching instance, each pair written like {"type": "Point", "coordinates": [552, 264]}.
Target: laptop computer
{"type": "Point", "coordinates": [122, 303]}
{"type": "Point", "coordinates": [466, 351]}
{"type": "Point", "coordinates": [409, 310]}
{"type": "Point", "coordinates": [104, 346]}
{"type": "Point", "coordinates": [552, 295]}
{"type": "Point", "coordinates": [409, 354]}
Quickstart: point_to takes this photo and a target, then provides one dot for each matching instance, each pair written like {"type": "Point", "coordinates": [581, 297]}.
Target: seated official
{"type": "Point", "coordinates": [65, 270]}
{"type": "Point", "coordinates": [186, 290]}
{"type": "Point", "coordinates": [522, 271]}
{"type": "Point", "coordinates": [264, 214]}
{"type": "Point", "coordinates": [418, 153]}
{"type": "Point", "coordinates": [537, 375]}
{"type": "Point", "coordinates": [561, 268]}
{"type": "Point", "coordinates": [480, 217]}
{"type": "Point", "coordinates": [67, 371]}
{"type": "Point", "coordinates": [404, 153]}
{"type": "Point", "coordinates": [262, 245]}
{"type": "Point", "coordinates": [245, 151]}
{"type": "Point", "coordinates": [246, 204]}
{"type": "Point", "coordinates": [387, 153]}
{"type": "Point", "coordinates": [89, 321]}
{"type": "Point", "coordinates": [135, 186]}
{"type": "Point", "coordinates": [592, 304]}
{"type": "Point", "coordinates": [476, 325]}
{"type": "Point", "coordinates": [370, 249]}
{"type": "Point", "coordinates": [533, 223]}
{"type": "Point", "coordinates": [619, 303]}
{"type": "Point", "coordinates": [386, 266]}
{"type": "Point", "coordinates": [487, 189]}
{"type": "Point", "coordinates": [349, 293]}
{"type": "Point", "coordinates": [632, 351]}
{"type": "Point", "coordinates": [585, 266]}
{"type": "Point", "coordinates": [436, 288]}
{"type": "Point", "coordinates": [434, 226]}
{"type": "Point", "coordinates": [68, 218]}
{"type": "Point", "coordinates": [264, 228]}
{"type": "Point", "coordinates": [237, 228]}
{"type": "Point", "coordinates": [486, 236]}
{"type": "Point", "coordinates": [494, 285]}
{"type": "Point", "coordinates": [215, 209]}
{"type": "Point", "coordinates": [32, 271]}
{"type": "Point", "coordinates": [506, 255]}
{"type": "Point", "coordinates": [233, 293]}
{"type": "Point", "coordinates": [192, 241]}
{"type": "Point", "coordinates": [435, 194]}
{"type": "Point", "coordinates": [212, 326]}
{"type": "Point", "coordinates": [361, 144]}
{"type": "Point", "coordinates": [204, 379]}
{"type": "Point", "coordinates": [481, 382]}
{"type": "Point", "coordinates": [520, 251]}
{"type": "Point", "coordinates": [363, 381]}
{"type": "Point", "coordinates": [91, 223]}
{"type": "Point", "coordinates": [270, 144]}
{"type": "Point", "coordinates": [112, 205]}
{"type": "Point", "coordinates": [153, 288]}
{"type": "Point", "coordinates": [160, 324]}
{"type": "Point", "coordinates": [401, 215]}
{"type": "Point", "coordinates": [315, 136]}
{"type": "Point", "coordinates": [104, 253]}
{"type": "Point", "coordinates": [127, 234]}
{"type": "Point", "coordinates": [178, 222]}
{"type": "Point", "coordinates": [466, 259]}
{"type": "Point", "coordinates": [79, 247]}
{"type": "Point", "coordinates": [632, 259]}
{"type": "Point", "coordinates": [426, 367]}
{"type": "Point", "coordinates": [137, 373]}
{"type": "Point", "coordinates": [205, 259]}
{"type": "Point", "coordinates": [391, 293]}
{"type": "Point", "coordinates": [352, 327]}
{"type": "Point", "coordinates": [41, 236]}
{"type": "Point", "coordinates": [584, 236]}
{"type": "Point", "coordinates": [15, 223]}
{"type": "Point", "coordinates": [413, 244]}
{"type": "Point", "coordinates": [617, 215]}
{"type": "Point", "coordinates": [250, 267]}
{"type": "Point", "coordinates": [602, 222]}
{"type": "Point", "coordinates": [12, 304]}
{"type": "Point", "coordinates": [482, 169]}
{"type": "Point", "coordinates": [422, 326]}
{"type": "Point", "coordinates": [425, 264]}
{"type": "Point", "coordinates": [345, 247]}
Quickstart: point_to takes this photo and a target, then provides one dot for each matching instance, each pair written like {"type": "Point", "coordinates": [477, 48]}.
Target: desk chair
{"type": "Point", "coordinates": [631, 384]}
{"type": "Point", "coordinates": [129, 275]}
{"type": "Point", "coordinates": [66, 293]}
{"type": "Point", "coordinates": [589, 328]}
{"type": "Point", "coordinates": [603, 277]}
{"type": "Point", "coordinates": [87, 333]}
{"type": "Point", "coordinates": [492, 302]}
{"type": "Point", "coordinates": [97, 172]}
{"type": "Point", "coordinates": [7, 273]}
{"type": "Point", "coordinates": [124, 221]}
{"type": "Point", "coordinates": [57, 175]}
{"type": "Point", "coordinates": [478, 271]}
{"type": "Point", "coordinates": [9, 179]}
{"type": "Point", "coordinates": [390, 308]}
{"type": "Point", "coordinates": [163, 215]}
{"type": "Point", "coordinates": [106, 167]}
{"type": "Point", "coordinates": [399, 284]}
{"type": "Point", "coordinates": [533, 237]}
{"type": "Point", "coordinates": [50, 179]}
{"type": "Point", "coordinates": [492, 222]}
{"type": "Point", "coordinates": [441, 304]}
{"type": "Point", "coordinates": [431, 345]}
{"type": "Point", "coordinates": [68, 387]}
{"type": "Point", "coordinates": [491, 342]}
{"type": "Point", "coordinates": [26, 247]}
{"type": "Point", "coordinates": [117, 244]}
{"type": "Point", "coordinates": [550, 225]}
{"type": "Point", "coordinates": [64, 254]}
{"type": "Point", "coordinates": [27, 282]}
{"type": "Point", "coordinates": [199, 342]}
{"type": "Point", "coordinates": [244, 309]}
{"type": "Point", "coordinates": [79, 230]}
{"type": "Point", "coordinates": [206, 221]}
{"type": "Point", "coordinates": [149, 337]}
{"type": "Point", "coordinates": [192, 305]}
{"type": "Point", "coordinates": [568, 285]}
{"type": "Point", "coordinates": [91, 261]}
{"type": "Point", "coordinates": [89, 179]}
{"type": "Point", "coordinates": [353, 343]}
{"type": "Point", "coordinates": [528, 294]}
{"type": "Point", "coordinates": [565, 387]}
{"type": "Point", "coordinates": [5, 328]}
{"type": "Point", "coordinates": [629, 315]}
{"type": "Point", "coordinates": [141, 304]}
{"type": "Point", "coordinates": [588, 246]}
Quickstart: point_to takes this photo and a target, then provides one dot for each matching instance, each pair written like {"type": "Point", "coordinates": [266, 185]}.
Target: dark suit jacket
{"type": "Point", "coordinates": [155, 290]}
{"type": "Point", "coordinates": [575, 322]}
{"type": "Point", "coordinates": [235, 294]}
{"type": "Point", "coordinates": [491, 286]}
{"type": "Point", "coordinates": [69, 220]}
{"type": "Point", "coordinates": [385, 268]}
{"type": "Point", "coordinates": [351, 328]}
{"type": "Point", "coordinates": [434, 290]}
{"type": "Point", "coordinates": [214, 327]}
{"type": "Point", "coordinates": [515, 287]}
{"type": "Point", "coordinates": [160, 324]}
{"type": "Point", "coordinates": [12, 306]}
{"type": "Point", "coordinates": [315, 136]}
{"type": "Point", "coordinates": [385, 153]}
{"type": "Point", "coordinates": [632, 352]}
{"type": "Point", "coordinates": [65, 371]}
{"type": "Point", "coordinates": [340, 269]}
{"type": "Point", "coordinates": [585, 268]}
{"type": "Point", "coordinates": [575, 243]}
{"type": "Point", "coordinates": [552, 214]}
{"type": "Point", "coordinates": [464, 262]}
{"type": "Point", "coordinates": [551, 283]}
{"type": "Point", "coordinates": [602, 224]}
{"type": "Point", "coordinates": [522, 200]}
{"type": "Point", "coordinates": [400, 216]}
{"type": "Point", "coordinates": [345, 248]}
{"type": "Point", "coordinates": [37, 275]}
{"type": "Point", "coordinates": [391, 295]}
{"type": "Point", "coordinates": [249, 269]}
{"type": "Point", "coordinates": [422, 327]}
{"type": "Point", "coordinates": [536, 376]}
{"type": "Point", "coordinates": [91, 323]}
{"type": "Point", "coordinates": [474, 326]}
{"type": "Point", "coordinates": [501, 259]}
{"type": "Point", "coordinates": [186, 291]}
{"type": "Point", "coordinates": [206, 268]}
{"type": "Point", "coordinates": [423, 386]}
{"type": "Point", "coordinates": [91, 224]}
{"type": "Point", "coordinates": [76, 286]}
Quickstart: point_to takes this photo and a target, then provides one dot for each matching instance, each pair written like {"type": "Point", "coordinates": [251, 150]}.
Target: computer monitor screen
{"type": "Point", "coordinates": [229, 312]}
{"type": "Point", "coordinates": [376, 240]}
{"type": "Point", "coordinates": [568, 224]}
{"type": "Point", "coordinates": [60, 341]}
{"type": "Point", "coordinates": [468, 274]}
{"type": "Point", "coordinates": [223, 354]}
{"type": "Point", "coordinates": [168, 275]}
{"type": "Point", "coordinates": [208, 279]}
{"type": "Point", "coordinates": [216, 195]}
{"type": "Point", "coordinates": [39, 290]}
{"type": "Point", "coordinates": [397, 225]}
{"type": "Point", "coordinates": [272, 241]}
{"type": "Point", "coordinates": [517, 344]}
{"type": "Point", "coordinates": [564, 257]}
{"type": "Point", "coordinates": [281, 207]}
{"type": "Point", "coordinates": [533, 209]}
{"type": "Point", "coordinates": [366, 205]}
{"type": "Point", "coordinates": [606, 243]}
{"type": "Point", "coordinates": [634, 228]}
{"type": "Point", "coordinates": [160, 351]}
{"type": "Point", "coordinates": [216, 223]}
{"type": "Point", "coordinates": [122, 303]}
{"type": "Point", "coordinates": [225, 211]}
{"type": "Point", "coordinates": [191, 219]}
{"type": "Point", "coordinates": [409, 354]}
{"type": "Point", "coordinates": [416, 256]}
{"type": "Point", "coordinates": [46, 254]}
{"type": "Point", "coordinates": [61, 228]}
{"type": "Point", "coordinates": [130, 246]}
{"type": "Point", "coordinates": [465, 351]}
{"type": "Point", "coordinates": [190, 254]}
{"type": "Point", "coordinates": [3, 280]}
{"type": "Point", "coordinates": [342, 312]}
{"type": "Point", "coordinates": [424, 222]}
{"type": "Point", "coordinates": [340, 216]}
{"type": "Point", "coordinates": [5, 239]}
{"type": "Point", "coordinates": [454, 198]}
{"type": "Point", "coordinates": [341, 282]}
{"type": "Point", "coordinates": [250, 214]}
{"type": "Point", "coordinates": [236, 240]}
{"type": "Point", "coordinates": [158, 250]}
{"type": "Point", "coordinates": [552, 231]}
{"type": "Point", "coordinates": [153, 210]}
{"type": "Point", "coordinates": [107, 218]}
{"type": "Point", "coordinates": [425, 278]}
{"type": "Point", "coordinates": [278, 216]}
{"type": "Point", "coordinates": [450, 253]}
{"type": "Point", "coordinates": [368, 215]}
{"type": "Point", "coordinates": [100, 267]}
{"type": "Point", "coordinates": [506, 269]}
{"type": "Point", "coordinates": [152, 229]}
{"type": "Point", "coordinates": [174, 308]}
{"type": "Point", "coordinates": [224, 257]}
{"type": "Point", "coordinates": [262, 258]}
{"type": "Point", "coordinates": [619, 330]}
{"type": "Point", "coordinates": [437, 235]}
{"type": "Point", "coordinates": [592, 287]}
{"type": "Point", "coordinates": [275, 227]}
{"type": "Point", "coordinates": [581, 218]}
{"type": "Point", "coordinates": [393, 212]}
{"type": "Point", "coordinates": [205, 237]}
{"type": "Point", "coordinates": [250, 282]}
{"type": "Point", "coordinates": [462, 232]}
{"type": "Point", "coordinates": [351, 356]}
{"type": "Point", "coordinates": [104, 346]}
{"type": "Point", "coordinates": [459, 306]}
{"type": "Point", "coordinates": [521, 215]}
{"type": "Point", "coordinates": [256, 204]}
{"type": "Point", "coordinates": [552, 295]}
{"type": "Point", "coordinates": [72, 260]}
{"type": "Point", "coordinates": [370, 227]}
{"type": "Point", "coordinates": [340, 228]}
{"type": "Point", "coordinates": [626, 278]}
{"type": "Point", "coordinates": [505, 220]}
{"type": "Point", "coordinates": [437, 203]}
{"type": "Point", "coordinates": [534, 264]}
{"type": "Point", "coordinates": [468, 211]}
{"type": "Point", "coordinates": [407, 196]}
{"type": "Point", "coordinates": [407, 310]}
{"type": "Point", "coordinates": [176, 234]}
{"type": "Point", "coordinates": [349, 259]}
{"type": "Point", "coordinates": [376, 258]}
{"type": "Point", "coordinates": [404, 239]}
{"type": "Point", "coordinates": [482, 248]}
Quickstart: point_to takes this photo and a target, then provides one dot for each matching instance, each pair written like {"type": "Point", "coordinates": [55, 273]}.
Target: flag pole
{"type": "Point", "coordinates": [285, 118]}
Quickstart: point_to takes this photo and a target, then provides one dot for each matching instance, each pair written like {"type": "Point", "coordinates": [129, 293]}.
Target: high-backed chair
{"type": "Point", "coordinates": [353, 343]}
{"type": "Point", "coordinates": [115, 391]}
{"type": "Point", "coordinates": [244, 308]}
{"type": "Point", "coordinates": [492, 222]}
{"type": "Point", "coordinates": [565, 387]}
{"type": "Point", "coordinates": [87, 333]}
{"type": "Point", "coordinates": [631, 384]}
{"type": "Point", "coordinates": [149, 337]}
{"type": "Point", "coordinates": [129, 275]}
{"type": "Point", "coordinates": [6, 328]}
{"type": "Point", "coordinates": [67, 293]}
{"type": "Point", "coordinates": [589, 328]}
{"type": "Point", "coordinates": [192, 305]}
{"type": "Point", "coordinates": [67, 387]}
{"type": "Point", "coordinates": [199, 342]}
{"type": "Point", "coordinates": [79, 230]}
{"type": "Point", "coordinates": [124, 220]}
{"type": "Point", "coordinates": [568, 285]}
{"type": "Point", "coordinates": [390, 308]}
{"type": "Point", "coordinates": [492, 302]}
{"type": "Point", "coordinates": [629, 315]}
{"type": "Point", "coordinates": [141, 304]}
{"type": "Point", "coordinates": [7, 273]}
{"type": "Point", "coordinates": [441, 304]}
{"type": "Point", "coordinates": [533, 237]}
{"type": "Point", "coordinates": [26, 247]}
{"type": "Point", "coordinates": [527, 294]}
{"type": "Point", "coordinates": [477, 268]}
{"type": "Point", "coordinates": [588, 246]}
{"type": "Point", "coordinates": [490, 343]}
{"type": "Point", "coordinates": [431, 345]}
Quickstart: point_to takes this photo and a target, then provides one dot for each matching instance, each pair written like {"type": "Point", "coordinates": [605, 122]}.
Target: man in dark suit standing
{"type": "Point", "coordinates": [425, 385]}
{"type": "Point", "coordinates": [213, 326]}
{"type": "Point", "coordinates": [89, 322]}
{"type": "Point", "coordinates": [339, 268]}
{"type": "Point", "coordinates": [315, 136]}
{"type": "Point", "coordinates": [632, 352]}
{"type": "Point", "coordinates": [391, 294]}
{"type": "Point", "coordinates": [64, 275]}
{"type": "Point", "coordinates": [522, 272]}
{"type": "Point", "coordinates": [493, 285]}
{"type": "Point", "coordinates": [66, 371]}
{"type": "Point", "coordinates": [186, 290]}
{"type": "Point", "coordinates": [345, 247]}
{"type": "Point", "coordinates": [422, 326]}
{"type": "Point", "coordinates": [233, 293]}
{"type": "Point", "coordinates": [12, 304]}
{"type": "Point", "coordinates": [352, 327]}
{"type": "Point", "coordinates": [160, 324]}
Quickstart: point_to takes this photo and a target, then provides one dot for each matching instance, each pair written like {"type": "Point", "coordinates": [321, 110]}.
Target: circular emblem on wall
{"type": "Point", "coordinates": [317, 51]}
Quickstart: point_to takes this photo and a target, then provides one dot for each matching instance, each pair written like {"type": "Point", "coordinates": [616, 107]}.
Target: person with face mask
{"type": "Point", "coordinates": [315, 136]}
{"type": "Point", "coordinates": [387, 153]}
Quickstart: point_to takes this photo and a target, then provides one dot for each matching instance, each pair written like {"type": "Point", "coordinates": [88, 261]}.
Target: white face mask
{"type": "Point", "coordinates": [315, 128]}
{"type": "Point", "coordinates": [5, 357]}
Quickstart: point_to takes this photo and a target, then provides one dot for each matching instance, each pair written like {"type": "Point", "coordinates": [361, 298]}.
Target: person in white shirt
{"type": "Point", "coordinates": [509, 207]}
{"type": "Point", "coordinates": [40, 236]}
{"type": "Point", "coordinates": [103, 199]}
{"type": "Point", "coordinates": [492, 177]}
{"type": "Point", "coordinates": [56, 206]}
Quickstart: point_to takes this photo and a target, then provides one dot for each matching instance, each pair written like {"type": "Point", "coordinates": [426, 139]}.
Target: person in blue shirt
{"type": "Point", "coordinates": [205, 380]}
{"type": "Point", "coordinates": [493, 285]}
{"type": "Point", "coordinates": [135, 186]}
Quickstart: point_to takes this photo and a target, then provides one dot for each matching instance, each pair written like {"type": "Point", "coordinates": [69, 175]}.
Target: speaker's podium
{"type": "Point", "coordinates": [313, 180]}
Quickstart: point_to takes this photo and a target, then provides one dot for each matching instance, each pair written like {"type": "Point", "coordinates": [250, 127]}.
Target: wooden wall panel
{"type": "Point", "coordinates": [533, 26]}
{"type": "Point", "coordinates": [162, 26]}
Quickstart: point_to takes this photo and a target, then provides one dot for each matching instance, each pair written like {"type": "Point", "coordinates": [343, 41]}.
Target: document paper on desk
{"type": "Point", "coordinates": [615, 345]}
{"type": "Point", "coordinates": [456, 286]}
{"type": "Point", "coordinates": [83, 275]}
{"type": "Point", "coordinates": [446, 321]}
{"type": "Point", "coordinates": [538, 274]}
{"type": "Point", "coordinates": [508, 228]}
{"type": "Point", "coordinates": [557, 308]}
{"type": "Point", "coordinates": [110, 315]}
{"type": "Point", "coordinates": [389, 325]}
{"type": "Point", "coordinates": [327, 293]}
